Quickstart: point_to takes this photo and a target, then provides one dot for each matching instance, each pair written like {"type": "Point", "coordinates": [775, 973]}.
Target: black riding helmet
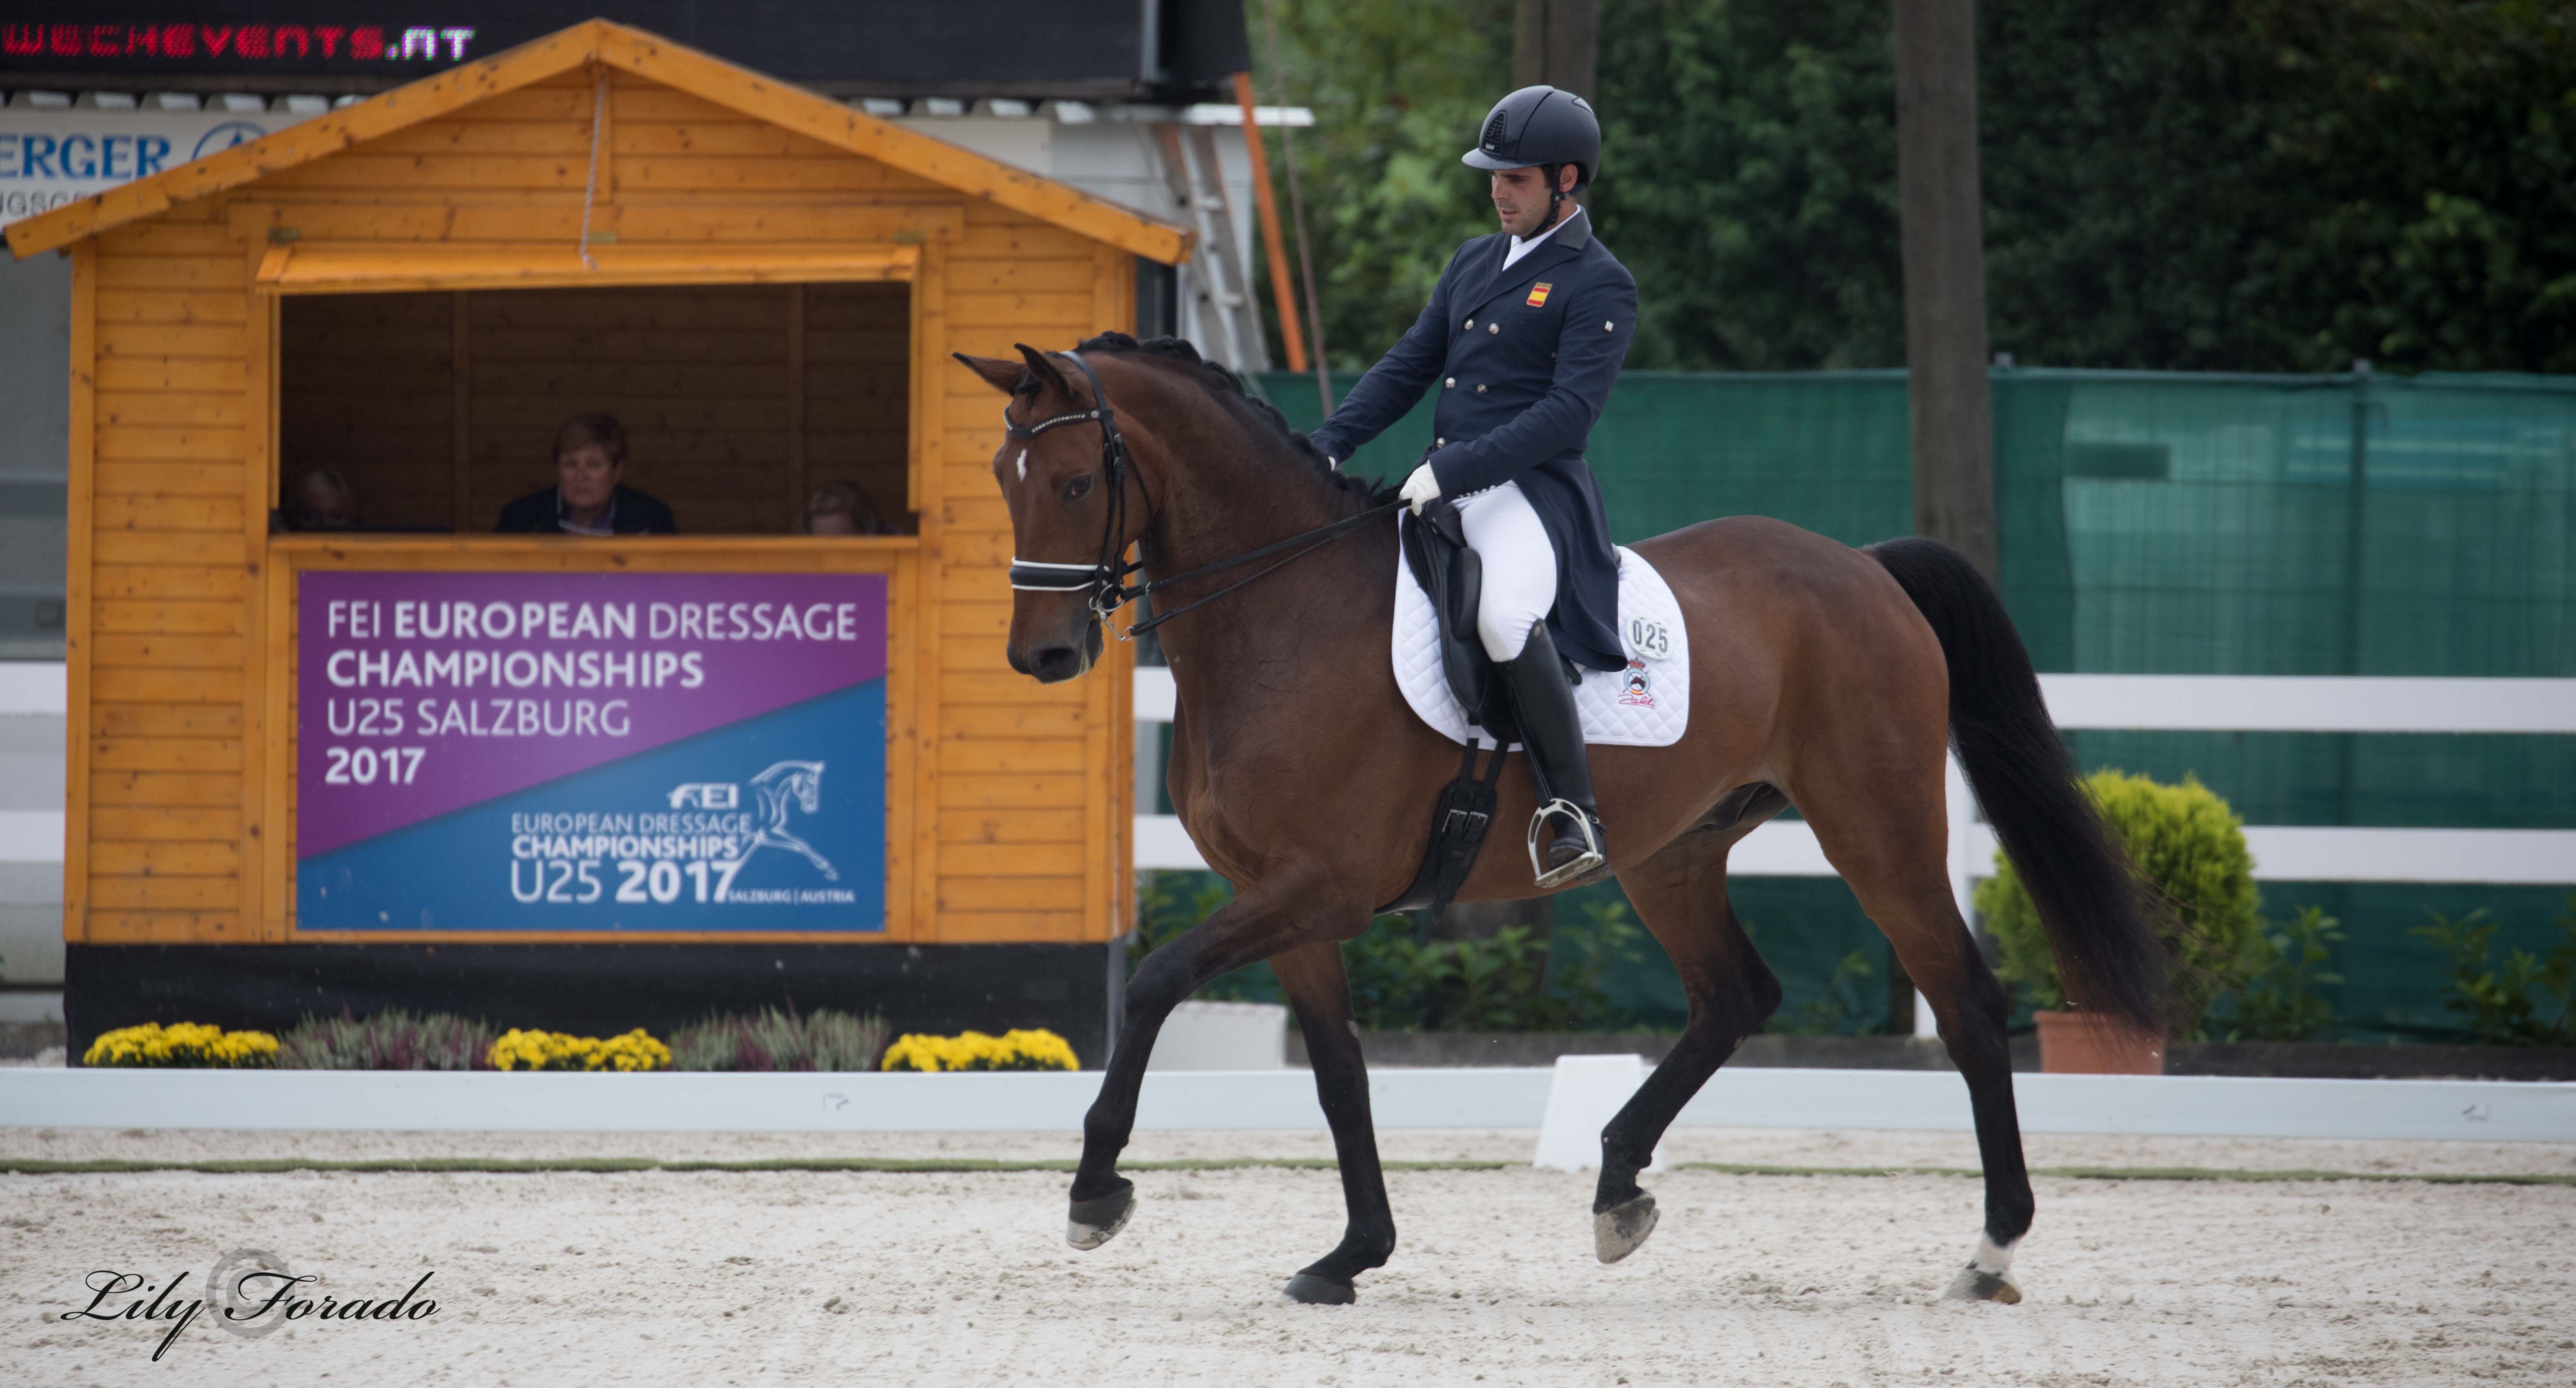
{"type": "Point", "coordinates": [1542, 126]}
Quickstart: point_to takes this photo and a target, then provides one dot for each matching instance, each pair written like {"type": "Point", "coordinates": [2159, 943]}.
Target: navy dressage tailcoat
{"type": "Point", "coordinates": [1523, 359]}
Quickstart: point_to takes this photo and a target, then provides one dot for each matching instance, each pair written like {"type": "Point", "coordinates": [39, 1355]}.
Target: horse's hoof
{"type": "Point", "coordinates": [1973, 1285]}
{"type": "Point", "coordinates": [1622, 1229]}
{"type": "Point", "coordinates": [1098, 1220]}
{"type": "Point", "coordinates": [1312, 1290]}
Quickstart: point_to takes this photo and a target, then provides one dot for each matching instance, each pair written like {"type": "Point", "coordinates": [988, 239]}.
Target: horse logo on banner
{"type": "Point", "coordinates": [788, 786]}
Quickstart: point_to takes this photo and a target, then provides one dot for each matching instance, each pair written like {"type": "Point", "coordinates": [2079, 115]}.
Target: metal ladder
{"type": "Point", "coordinates": [1219, 282]}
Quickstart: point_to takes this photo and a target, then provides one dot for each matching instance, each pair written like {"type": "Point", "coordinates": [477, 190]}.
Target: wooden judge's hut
{"type": "Point", "coordinates": [552, 779]}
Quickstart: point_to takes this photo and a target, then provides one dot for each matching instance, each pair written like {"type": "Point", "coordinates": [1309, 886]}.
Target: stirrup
{"type": "Point", "coordinates": [1592, 858]}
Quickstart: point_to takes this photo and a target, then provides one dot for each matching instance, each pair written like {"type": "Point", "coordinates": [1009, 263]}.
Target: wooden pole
{"type": "Point", "coordinates": [1283, 293]}
{"type": "Point", "coordinates": [1949, 408]}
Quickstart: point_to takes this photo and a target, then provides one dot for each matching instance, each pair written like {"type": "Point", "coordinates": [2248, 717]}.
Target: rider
{"type": "Point", "coordinates": [1524, 335]}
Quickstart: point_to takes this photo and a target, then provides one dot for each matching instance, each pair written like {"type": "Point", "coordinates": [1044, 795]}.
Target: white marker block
{"type": "Point", "coordinates": [1222, 1036]}
{"type": "Point", "coordinates": [1582, 1097]}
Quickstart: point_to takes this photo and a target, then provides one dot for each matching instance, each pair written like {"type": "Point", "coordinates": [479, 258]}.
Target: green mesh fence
{"type": "Point", "coordinates": [2185, 524]}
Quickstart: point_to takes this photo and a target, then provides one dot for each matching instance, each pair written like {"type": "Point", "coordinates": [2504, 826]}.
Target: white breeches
{"type": "Point", "coordinates": [1520, 566]}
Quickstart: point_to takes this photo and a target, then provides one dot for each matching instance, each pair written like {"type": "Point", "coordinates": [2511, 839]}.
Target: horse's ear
{"type": "Point", "coordinates": [1000, 373]}
{"type": "Point", "coordinates": [1044, 367]}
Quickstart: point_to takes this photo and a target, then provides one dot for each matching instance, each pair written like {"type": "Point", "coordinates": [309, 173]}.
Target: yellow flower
{"type": "Point", "coordinates": [554, 1050]}
{"type": "Point", "coordinates": [974, 1050]}
{"type": "Point", "coordinates": [193, 1045]}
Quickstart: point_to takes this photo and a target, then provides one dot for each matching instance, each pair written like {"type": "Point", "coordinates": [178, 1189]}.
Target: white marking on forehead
{"type": "Point", "coordinates": [1024, 465]}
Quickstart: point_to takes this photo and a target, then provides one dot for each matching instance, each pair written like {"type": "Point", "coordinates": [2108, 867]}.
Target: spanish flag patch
{"type": "Point", "coordinates": [1538, 293]}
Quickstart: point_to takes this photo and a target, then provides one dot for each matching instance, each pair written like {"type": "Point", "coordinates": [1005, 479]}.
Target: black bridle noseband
{"type": "Point", "coordinates": [1105, 579]}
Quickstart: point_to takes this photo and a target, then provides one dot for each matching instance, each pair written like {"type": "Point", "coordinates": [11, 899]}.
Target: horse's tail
{"type": "Point", "coordinates": [2096, 910]}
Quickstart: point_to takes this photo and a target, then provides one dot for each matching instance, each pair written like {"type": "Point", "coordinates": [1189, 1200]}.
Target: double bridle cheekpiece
{"type": "Point", "coordinates": [1105, 579]}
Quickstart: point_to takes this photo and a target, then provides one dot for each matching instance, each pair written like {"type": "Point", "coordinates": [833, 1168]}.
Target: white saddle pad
{"type": "Point", "coordinates": [1646, 705]}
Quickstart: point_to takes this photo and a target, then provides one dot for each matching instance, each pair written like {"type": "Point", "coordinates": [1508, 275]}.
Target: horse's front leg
{"type": "Point", "coordinates": [1256, 925]}
{"type": "Point", "coordinates": [1312, 974]}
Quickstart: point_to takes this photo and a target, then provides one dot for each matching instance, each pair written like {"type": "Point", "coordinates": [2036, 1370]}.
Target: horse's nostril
{"type": "Point", "coordinates": [1055, 663]}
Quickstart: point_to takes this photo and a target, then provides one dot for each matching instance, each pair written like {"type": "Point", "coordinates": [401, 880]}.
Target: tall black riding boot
{"type": "Point", "coordinates": [1565, 841]}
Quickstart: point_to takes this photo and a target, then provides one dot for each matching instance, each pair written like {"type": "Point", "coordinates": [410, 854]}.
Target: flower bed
{"type": "Point", "coordinates": [1012, 1050]}
{"type": "Point", "coordinates": [772, 1040]}
{"type": "Point", "coordinates": [554, 1050]}
{"type": "Point", "coordinates": [182, 1045]}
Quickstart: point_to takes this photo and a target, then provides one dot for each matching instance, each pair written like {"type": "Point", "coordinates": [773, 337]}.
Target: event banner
{"type": "Point", "coordinates": [590, 752]}
{"type": "Point", "coordinates": [49, 157]}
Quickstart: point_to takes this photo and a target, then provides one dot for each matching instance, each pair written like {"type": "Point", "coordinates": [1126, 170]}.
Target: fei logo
{"type": "Point", "coordinates": [786, 789]}
{"type": "Point", "coordinates": [706, 795]}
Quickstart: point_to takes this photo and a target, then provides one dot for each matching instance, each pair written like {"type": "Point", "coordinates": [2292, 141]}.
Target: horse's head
{"type": "Point", "coordinates": [1064, 507]}
{"type": "Point", "coordinates": [800, 780]}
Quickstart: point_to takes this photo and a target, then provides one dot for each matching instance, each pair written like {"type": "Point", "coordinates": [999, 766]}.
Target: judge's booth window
{"type": "Point", "coordinates": [696, 410]}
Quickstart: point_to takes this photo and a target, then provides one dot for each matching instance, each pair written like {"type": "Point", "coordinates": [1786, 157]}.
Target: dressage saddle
{"type": "Point", "coordinates": [1453, 576]}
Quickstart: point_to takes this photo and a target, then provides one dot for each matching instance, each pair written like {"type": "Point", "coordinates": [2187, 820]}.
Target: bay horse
{"type": "Point", "coordinates": [1822, 676]}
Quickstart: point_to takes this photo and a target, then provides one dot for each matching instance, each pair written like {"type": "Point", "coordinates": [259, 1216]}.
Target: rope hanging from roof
{"type": "Point", "coordinates": [590, 187]}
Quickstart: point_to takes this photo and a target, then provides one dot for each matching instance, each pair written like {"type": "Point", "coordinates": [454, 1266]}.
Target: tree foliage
{"type": "Point", "coordinates": [2262, 185]}
{"type": "Point", "coordinates": [1387, 202]}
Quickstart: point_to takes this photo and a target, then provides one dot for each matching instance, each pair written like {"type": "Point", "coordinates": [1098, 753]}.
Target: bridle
{"type": "Point", "coordinates": [1104, 580]}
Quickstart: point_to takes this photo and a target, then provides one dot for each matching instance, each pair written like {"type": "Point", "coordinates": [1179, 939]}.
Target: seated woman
{"type": "Point", "coordinates": [320, 500]}
{"type": "Point", "coordinates": [841, 508]}
{"type": "Point", "coordinates": [587, 498]}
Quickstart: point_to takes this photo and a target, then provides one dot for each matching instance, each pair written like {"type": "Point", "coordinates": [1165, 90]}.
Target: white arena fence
{"type": "Point", "coordinates": [2199, 703]}
{"type": "Point", "coordinates": [1257, 1100]}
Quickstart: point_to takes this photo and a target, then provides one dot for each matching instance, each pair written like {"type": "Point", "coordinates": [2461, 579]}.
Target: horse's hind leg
{"type": "Point", "coordinates": [1680, 893]}
{"type": "Point", "coordinates": [1886, 836]}
{"type": "Point", "coordinates": [1312, 975]}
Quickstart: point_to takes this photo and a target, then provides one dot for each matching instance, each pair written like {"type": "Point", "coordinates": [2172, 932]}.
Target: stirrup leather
{"type": "Point", "coordinates": [1592, 857]}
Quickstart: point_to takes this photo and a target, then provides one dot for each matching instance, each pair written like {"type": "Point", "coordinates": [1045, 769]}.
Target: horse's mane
{"type": "Point", "coordinates": [1226, 386]}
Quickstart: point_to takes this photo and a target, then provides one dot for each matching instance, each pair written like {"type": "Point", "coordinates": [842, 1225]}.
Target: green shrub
{"type": "Point", "coordinates": [1517, 979]}
{"type": "Point", "coordinates": [1169, 905]}
{"type": "Point", "coordinates": [1837, 1009]}
{"type": "Point", "coordinates": [2191, 847]}
{"type": "Point", "coordinates": [2498, 1002]}
{"type": "Point", "coordinates": [2278, 999]}
{"type": "Point", "coordinates": [389, 1040]}
{"type": "Point", "coordinates": [774, 1040]}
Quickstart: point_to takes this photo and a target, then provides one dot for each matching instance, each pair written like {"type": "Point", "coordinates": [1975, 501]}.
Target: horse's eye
{"type": "Point", "coordinates": [1077, 489]}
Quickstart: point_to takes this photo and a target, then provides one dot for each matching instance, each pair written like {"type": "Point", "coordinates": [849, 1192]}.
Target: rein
{"type": "Point", "coordinates": [1105, 579]}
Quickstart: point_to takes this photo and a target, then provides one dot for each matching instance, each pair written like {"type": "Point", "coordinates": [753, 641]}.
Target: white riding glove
{"type": "Point", "coordinates": [1421, 489]}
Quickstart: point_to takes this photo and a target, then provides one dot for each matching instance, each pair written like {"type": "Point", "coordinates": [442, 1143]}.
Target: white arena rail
{"type": "Point", "coordinates": [2247, 703]}
{"type": "Point", "coordinates": [2250, 703]}
{"type": "Point", "coordinates": [2222, 703]}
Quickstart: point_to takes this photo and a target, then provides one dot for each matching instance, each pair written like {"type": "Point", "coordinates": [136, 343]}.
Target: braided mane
{"type": "Point", "coordinates": [1226, 386]}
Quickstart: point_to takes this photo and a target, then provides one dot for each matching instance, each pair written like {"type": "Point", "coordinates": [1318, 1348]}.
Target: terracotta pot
{"type": "Point", "coordinates": [2090, 1043]}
